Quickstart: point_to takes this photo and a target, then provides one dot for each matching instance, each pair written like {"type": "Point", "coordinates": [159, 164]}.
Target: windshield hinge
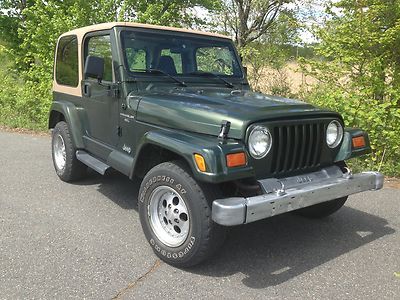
{"type": "Point", "coordinates": [113, 91]}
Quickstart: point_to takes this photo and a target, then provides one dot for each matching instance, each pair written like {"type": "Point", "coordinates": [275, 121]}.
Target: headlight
{"type": "Point", "coordinates": [260, 142]}
{"type": "Point", "coordinates": [334, 134]}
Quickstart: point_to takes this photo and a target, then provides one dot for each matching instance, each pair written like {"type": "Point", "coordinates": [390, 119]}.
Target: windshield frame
{"type": "Point", "coordinates": [236, 78]}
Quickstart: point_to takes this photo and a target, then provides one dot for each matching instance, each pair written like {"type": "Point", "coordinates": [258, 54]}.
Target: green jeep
{"type": "Point", "coordinates": [173, 107]}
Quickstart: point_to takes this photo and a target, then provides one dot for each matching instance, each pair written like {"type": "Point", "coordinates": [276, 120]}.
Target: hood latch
{"type": "Point", "coordinates": [223, 134]}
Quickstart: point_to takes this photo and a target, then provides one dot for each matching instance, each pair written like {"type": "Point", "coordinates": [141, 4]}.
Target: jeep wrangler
{"type": "Point", "coordinates": [173, 107]}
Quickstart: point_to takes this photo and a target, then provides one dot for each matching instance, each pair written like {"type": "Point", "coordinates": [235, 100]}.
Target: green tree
{"type": "Point", "coordinates": [249, 20]}
{"type": "Point", "coordinates": [166, 12]}
{"type": "Point", "coordinates": [11, 15]}
{"type": "Point", "coordinates": [272, 51]}
{"type": "Point", "coordinates": [359, 74]}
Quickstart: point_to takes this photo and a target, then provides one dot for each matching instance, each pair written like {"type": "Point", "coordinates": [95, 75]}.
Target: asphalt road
{"type": "Point", "coordinates": [84, 240]}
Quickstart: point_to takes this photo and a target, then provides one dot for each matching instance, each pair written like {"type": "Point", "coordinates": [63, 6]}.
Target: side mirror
{"type": "Point", "coordinates": [94, 67]}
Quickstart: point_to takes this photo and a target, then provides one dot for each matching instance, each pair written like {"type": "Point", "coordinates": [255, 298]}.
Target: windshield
{"type": "Point", "coordinates": [179, 55]}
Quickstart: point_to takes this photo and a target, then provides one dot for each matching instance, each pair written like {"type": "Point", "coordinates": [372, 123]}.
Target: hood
{"type": "Point", "coordinates": [202, 111]}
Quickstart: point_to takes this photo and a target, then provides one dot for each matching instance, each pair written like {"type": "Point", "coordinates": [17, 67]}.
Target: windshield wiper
{"type": "Point", "coordinates": [158, 71]}
{"type": "Point", "coordinates": [201, 73]}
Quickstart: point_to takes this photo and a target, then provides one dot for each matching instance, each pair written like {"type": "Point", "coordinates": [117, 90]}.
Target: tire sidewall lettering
{"type": "Point", "coordinates": [172, 254]}
{"type": "Point", "coordinates": [160, 178]}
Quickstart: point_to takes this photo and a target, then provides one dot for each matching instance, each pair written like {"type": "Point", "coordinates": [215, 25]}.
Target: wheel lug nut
{"type": "Point", "coordinates": [176, 211]}
{"type": "Point", "coordinates": [176, 221]}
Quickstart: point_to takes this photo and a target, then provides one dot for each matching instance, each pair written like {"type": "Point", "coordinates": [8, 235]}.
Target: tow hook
{"type": "Point", "coordinates": [281, 191]}
{"type": "Point", "coordinates": [348, 174]}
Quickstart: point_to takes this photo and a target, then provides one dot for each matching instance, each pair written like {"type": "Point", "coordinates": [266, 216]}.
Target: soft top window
{"type": "Point", "coordinates": [100, 46]}
{"type": "Point", "coordinates": [67, 70]}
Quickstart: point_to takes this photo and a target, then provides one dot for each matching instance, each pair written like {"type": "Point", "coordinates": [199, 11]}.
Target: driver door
{"type": "Point", "coordinates": [100, 105]}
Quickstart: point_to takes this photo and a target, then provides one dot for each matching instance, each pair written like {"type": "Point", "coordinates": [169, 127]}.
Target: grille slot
{"type": "Point", "coordinates": [296, 147]}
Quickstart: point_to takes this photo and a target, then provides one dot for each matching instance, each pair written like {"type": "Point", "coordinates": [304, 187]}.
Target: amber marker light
{"type": "Point", "coordinates": [358, 142]}
{"type": "Point", "coordinates": [236, 160]}
{"type": "Point", "coordinates": [200, 162]}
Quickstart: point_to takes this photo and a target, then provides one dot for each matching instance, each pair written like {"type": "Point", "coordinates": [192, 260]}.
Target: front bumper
{"type": "Point", "coordinates": [292, 193]}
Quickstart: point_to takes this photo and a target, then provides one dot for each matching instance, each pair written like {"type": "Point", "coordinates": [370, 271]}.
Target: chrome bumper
{"type": "Point", "coordinates": [291, 193]}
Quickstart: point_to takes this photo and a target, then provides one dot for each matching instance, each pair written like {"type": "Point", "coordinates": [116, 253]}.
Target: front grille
{"type": "Point", "coordinates": [297, 147]}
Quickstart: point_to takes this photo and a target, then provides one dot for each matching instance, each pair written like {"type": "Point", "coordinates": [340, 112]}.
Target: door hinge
{"type": "Point", "coordinates": [113, 91]}
{"type": "Point", "coordinates": [119, 131]}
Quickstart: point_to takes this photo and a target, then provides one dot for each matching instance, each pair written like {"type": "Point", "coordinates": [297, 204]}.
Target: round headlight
{"type": "Point", "coordinates": [260, 142]}
{"type": "Point", "coordinates": [334, 134]}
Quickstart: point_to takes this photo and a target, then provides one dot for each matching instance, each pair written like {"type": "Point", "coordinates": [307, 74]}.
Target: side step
{"type": "Point", "coordinates": [92, 162]}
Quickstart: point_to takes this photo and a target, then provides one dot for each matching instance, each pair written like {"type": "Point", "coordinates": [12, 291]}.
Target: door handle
{"type": "Point", "coordinates": [86, 89]}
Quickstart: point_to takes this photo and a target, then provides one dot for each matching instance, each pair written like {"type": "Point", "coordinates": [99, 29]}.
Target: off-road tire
{"type": "Point", "coordinates": [204, 235]}
{"type": "Point", "coordinates": [322, 210]}
{"type": "Point", "coordinates": [73, 169]}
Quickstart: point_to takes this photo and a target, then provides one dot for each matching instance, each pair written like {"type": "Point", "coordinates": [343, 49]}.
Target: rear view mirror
{"type": "Point", "coordinates": [94, 67]}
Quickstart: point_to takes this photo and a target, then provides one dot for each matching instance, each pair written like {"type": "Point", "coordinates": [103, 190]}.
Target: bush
{"type": "Point", "coordinates": [380, 119]}
{"type": "Point", "coordinates": [23, 104]}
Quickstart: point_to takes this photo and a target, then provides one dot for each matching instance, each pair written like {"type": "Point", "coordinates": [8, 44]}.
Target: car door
{"type": "Point", "coordinates": [100, 104]}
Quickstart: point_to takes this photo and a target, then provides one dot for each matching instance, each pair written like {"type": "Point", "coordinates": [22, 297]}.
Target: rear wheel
{"type": "Point", "coordinates": [175, 213]}
{"type": "Point", "coordinates": [323, 209]}
{"type": "Point", "coordinates": [67, 166]}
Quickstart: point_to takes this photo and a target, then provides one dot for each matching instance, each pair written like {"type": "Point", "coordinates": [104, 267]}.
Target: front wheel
{"type": "Point", "coordinates": [322, 210]}
{"type": "Point", "coordinates": [175, 213]}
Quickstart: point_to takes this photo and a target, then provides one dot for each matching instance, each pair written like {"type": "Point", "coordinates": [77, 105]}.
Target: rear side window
{"type": "Point", "coordinates": [100, 46]}
{"type": "Point", "coordinates": [67, 72]}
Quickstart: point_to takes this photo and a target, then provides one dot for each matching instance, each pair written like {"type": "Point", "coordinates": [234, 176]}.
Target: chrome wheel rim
{"type": "Point", "coordinates": [168, 216]}
{"type": "Point", "coordinates": [60, 154]}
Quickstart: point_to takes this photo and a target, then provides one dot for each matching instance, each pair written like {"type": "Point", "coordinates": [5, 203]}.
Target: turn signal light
{"type": "Point", "coordinates": [358, 142]}
{"type": "Point", "coordinates": [236, 160]}
{"type": "Point", "coordinates": [200, 162]}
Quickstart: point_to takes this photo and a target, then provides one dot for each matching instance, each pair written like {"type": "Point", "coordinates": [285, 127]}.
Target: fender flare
{"type": "Point", "coordinates": [185, 145]}
{"type": "Point", "coordinates": [71, 116]}
{"type": "Point", "coordinates": [347, 150]}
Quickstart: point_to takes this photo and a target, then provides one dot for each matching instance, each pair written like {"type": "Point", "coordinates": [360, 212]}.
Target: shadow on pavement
{"type": "Point", "coordinates": [115, 186]}
{"type": "Point", "coordinates": [274, 250]}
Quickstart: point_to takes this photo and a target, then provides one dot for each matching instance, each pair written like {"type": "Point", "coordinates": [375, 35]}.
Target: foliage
{"type": "Point", "coordinates": [166, 12]}
{"type": "Point", "coordinates": [360, 73]}
{"type": "Point", "coordinates": [21, 103]}
{"type": "Point", "coordinates": [272, 52]}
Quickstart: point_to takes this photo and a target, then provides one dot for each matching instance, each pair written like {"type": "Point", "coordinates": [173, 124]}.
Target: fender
{"type": "Point", "coordinates": [71, 115]}
{"type": "Point", "coordinates": [187, 144]}
{"type": "Point", "coordinates": [347, 150]}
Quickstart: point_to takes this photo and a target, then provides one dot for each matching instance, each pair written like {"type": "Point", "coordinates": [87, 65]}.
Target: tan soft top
{"type": "Point", "coordinates": [80, 32]}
